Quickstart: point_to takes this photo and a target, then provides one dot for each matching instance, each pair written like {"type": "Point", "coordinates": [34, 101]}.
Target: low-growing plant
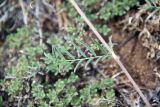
{"type": "Point", "coordinates": [52, 79]}
{"type": "Point", "coordinates": [33, 61]}
{"type": "Point", "coordinates": [98, 10]}
{"type": "Point", "coordinates": [15, 40]}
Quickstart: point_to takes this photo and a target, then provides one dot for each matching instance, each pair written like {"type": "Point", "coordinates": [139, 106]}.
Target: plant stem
{"type": "Point", "coordinates": [116, 58]}
{"type": "Point", "coordinates": [96, 57]}
{"type": "Point", "coordinates": [24, 12]}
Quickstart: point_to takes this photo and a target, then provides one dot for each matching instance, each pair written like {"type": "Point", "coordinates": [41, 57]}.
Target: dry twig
{"type": "Point", "coordinates": [62, 20]}
{"type": "Point", "coordinates": [111, 51]}
{"type": "Point", "coordinates": [25, 19]}
{"type": "Point", "coordinates": [38, 22]}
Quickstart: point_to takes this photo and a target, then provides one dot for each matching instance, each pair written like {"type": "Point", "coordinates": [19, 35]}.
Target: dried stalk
{"type": "Point", "coordinates": [24, 12]}
{"type": "Point", "coordinates": [62, 20]}
{"type": "Point", "coordinates": [116, 58]}
{"type": "Point", "coordinates": [37, 12]}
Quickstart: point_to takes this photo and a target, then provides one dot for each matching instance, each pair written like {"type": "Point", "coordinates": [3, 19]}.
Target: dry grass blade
{"type": "Point", "coordinates": [37, 12]}
{"type": "Point", "coordinates": [24, 12]}
{"type": "Point", "coordinates": [111, 51]}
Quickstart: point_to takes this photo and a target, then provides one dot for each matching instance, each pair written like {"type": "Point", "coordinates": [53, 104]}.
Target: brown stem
{"type": "Point", "coordinates": [116, 58]}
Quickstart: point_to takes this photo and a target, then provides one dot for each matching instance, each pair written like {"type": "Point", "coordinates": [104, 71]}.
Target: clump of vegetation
{"type": "Point", "coordinates": [99, 10]}
{"type": "Point", "coordinates": [24, 81]}
{"type": "Point", "coordinates": [41, 78]}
